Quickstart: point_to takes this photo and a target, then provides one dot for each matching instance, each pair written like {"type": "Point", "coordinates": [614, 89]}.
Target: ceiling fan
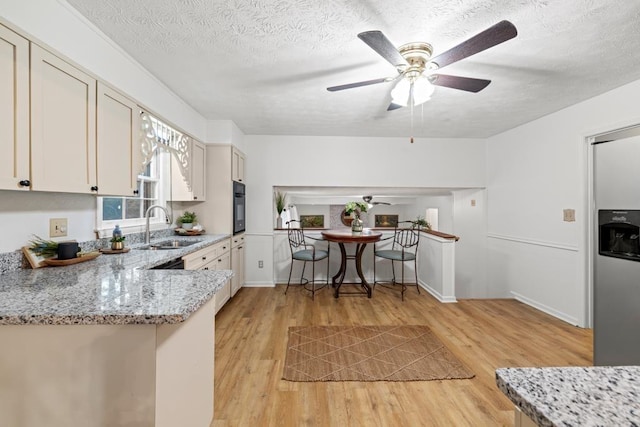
{"type": "Point", "coordinates": [367, 200]}
{"type": "Point", "coordinates": [417, 69]}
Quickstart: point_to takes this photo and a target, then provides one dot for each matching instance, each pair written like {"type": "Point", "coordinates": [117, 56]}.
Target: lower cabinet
{"type": "Point", "coordinates": [237, 263]}
{"type": "Point", "coordinates": [214, 257]}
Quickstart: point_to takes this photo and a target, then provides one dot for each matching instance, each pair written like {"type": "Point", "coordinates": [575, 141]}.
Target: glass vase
{"type": "Point", "coordinates": [357, 225]}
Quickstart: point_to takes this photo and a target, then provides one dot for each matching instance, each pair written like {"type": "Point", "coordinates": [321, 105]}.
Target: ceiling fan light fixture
{"type": "Point", "coordinates": [412, 91]}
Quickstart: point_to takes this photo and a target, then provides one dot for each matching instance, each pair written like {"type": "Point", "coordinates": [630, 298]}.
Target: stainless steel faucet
{"type": "Point", "coordinates": [147, 234]}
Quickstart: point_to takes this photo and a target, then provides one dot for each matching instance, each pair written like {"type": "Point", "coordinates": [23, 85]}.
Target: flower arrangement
{"type": "Point", "coordinates": [116, 239]}
{"type": "Point", "coordinates": [355, 208]}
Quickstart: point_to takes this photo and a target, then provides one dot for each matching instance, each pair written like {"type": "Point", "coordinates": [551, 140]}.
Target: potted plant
{"type": "Point", "coordinates": [280, 199]}
{"type": "Point", "coordinates": [355, 209]}
{"type": "Point", "coordinates": [187, 219]}
{"type": "Point", "coordinates": [421, 223]}
{"type": "Point", "coordinates": [117, 243]}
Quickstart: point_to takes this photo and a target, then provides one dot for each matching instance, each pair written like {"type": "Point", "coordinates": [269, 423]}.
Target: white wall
{"type": "Point", "coordinates": [533, 173]}
{"type": "Point", "coordinates": [345, 161]}
{"type": "Point", "coordinates": [470, 224]}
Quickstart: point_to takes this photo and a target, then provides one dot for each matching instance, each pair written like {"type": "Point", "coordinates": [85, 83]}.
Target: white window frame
{"type": "Point", "coordinates": [167, 140]}
{"type": "Point", "coordinates": [157, 220]}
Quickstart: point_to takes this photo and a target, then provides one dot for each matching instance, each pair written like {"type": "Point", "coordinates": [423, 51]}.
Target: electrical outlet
{"type": "Point", "coordinates": [57, 227]}
{"type": "Point", "coordinates": [260, 264]}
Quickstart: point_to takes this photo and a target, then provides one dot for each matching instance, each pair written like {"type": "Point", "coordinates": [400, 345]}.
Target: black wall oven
{"type": "Point", "coordinates": [239, 210]}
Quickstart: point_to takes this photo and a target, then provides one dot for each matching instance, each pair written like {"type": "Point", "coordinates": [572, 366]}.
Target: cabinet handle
{"type": "Point", "coordinates": [195, 197]}
{"type": "Point", "coordinates": [94, 188]}
{"type": "Point", "coordinates": [206, 268]}
{"type": "Point", "coordinates": [136, 192]}
{"type": "Point", "coordinates": [204, 258]}
{"type": "Point", "coordinates": [25, 183]}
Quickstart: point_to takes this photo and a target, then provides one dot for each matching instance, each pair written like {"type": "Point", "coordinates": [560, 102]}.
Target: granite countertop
{"type": "Point", "coordinates": [575, 396]}
{"type": "Point", "coordinates": [111, 289]}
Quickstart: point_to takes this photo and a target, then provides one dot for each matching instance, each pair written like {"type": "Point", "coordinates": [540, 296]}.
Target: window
{"type": "Point", "coordinates": [153, 184]}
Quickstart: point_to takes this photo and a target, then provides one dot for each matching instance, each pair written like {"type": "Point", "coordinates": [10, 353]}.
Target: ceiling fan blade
{"type": "Point", "coordinates": [381, 44]}
{"type": "Point", "coordinates": [463, 83]}
{"type": "Point", "coordinates": [358, 84]}
{"type": "Point", "coordinates": [499, 33]}
{"type": "Point", "coordinates": [393, 106]}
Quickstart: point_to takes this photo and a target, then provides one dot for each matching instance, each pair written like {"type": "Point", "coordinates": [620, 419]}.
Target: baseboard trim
{"type": "Point", "coordinates": [533, 242]}
{"type": "Point", "coordinates": [437, 294]}
{"type": "Point", "coordinates": [259, 285]}
{"type": "Point", "coordinates": [546, 309]}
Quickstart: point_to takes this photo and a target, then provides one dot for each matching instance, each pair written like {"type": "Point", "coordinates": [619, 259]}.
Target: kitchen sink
{"type": "Point", "coordinates": [167, 244]}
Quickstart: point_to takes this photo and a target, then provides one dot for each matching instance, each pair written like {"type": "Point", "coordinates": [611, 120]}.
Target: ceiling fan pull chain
{"type": "Point", "coordinates": [411, 107]}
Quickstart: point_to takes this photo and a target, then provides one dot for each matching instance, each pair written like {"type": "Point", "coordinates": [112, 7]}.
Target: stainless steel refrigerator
{"type": "Point", "coordinates": [616, 298]}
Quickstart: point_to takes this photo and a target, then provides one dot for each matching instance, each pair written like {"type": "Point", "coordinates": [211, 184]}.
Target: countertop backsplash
{"type": "Point", "coordinates": [12, 261]}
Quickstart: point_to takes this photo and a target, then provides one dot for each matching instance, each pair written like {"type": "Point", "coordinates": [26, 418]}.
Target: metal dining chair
{"type": "Point", "coordinates": [302, 250]}
{"type": "Point", "coordinates": [404, 248]}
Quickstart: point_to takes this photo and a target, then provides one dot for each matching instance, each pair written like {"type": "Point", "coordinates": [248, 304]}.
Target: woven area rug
{"type": "Point", "coordinates": [369, 353]}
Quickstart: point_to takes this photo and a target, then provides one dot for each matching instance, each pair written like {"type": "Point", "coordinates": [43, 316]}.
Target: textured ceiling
{"type": "Point", "coordinates": [265, 64]}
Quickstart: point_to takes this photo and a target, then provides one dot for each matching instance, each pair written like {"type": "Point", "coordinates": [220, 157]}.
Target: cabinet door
{"type": "Point", "coordinates": [198, 170]}
{"type": "Point", "coordinates": [14, 110]}
{"type": "Point", "coordinates": [180, 191]}
{"type": "Point", "coordinates": [237, 166]}
{"type": "Point", "coordinates": [63, 125]}
{"type": "Point", "coordinates": [118, 143]}
{"type": "Point", "coordinates": [237, 265]}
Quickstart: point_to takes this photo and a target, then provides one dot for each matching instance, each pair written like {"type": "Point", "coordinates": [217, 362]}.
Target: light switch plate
{"type": "Point", "coordinates": [57, 227]}
{"type": "Point", "coordinates": [569, 215]}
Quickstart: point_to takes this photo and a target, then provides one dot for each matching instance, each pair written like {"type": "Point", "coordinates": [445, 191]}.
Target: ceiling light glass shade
{"type": "Point", "coordinates": [421, 88]}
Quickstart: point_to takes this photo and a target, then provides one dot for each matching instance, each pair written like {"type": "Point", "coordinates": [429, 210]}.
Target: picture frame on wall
{"type": "Point", "coordinates": [312, 221]}
{"type": "Point", "coordinates": [386, 220]}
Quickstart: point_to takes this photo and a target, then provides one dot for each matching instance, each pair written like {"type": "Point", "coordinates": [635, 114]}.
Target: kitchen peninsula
{"type": "Point", "coordinates": [109, 342]}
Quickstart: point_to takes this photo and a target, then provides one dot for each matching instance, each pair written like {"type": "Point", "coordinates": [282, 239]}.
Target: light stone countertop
{"type": "Point", "coordinates": [111, 289]}
{"type": "Point", "coordinates": [575, 396]}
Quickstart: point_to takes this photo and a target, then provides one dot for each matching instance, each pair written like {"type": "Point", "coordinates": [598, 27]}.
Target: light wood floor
{"type": "Point", "coordinates": [251, 338]}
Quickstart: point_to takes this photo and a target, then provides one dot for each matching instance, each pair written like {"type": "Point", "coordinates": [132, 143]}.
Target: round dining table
{"type": "Point", "coordinates": [342, 236]}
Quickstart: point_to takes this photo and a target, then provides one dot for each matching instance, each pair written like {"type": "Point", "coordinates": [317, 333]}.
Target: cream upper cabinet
{"type": "Point", "coordinates": [118, 143]}
{"type": "Point", "coordinates": [63, 125]}
{"type": "Point", "coordinates": [198, 170]}
{"type": "Point", "coordinates": [14, 111]}
{"type": "Point", "coordinates": [237, 165]}
{"type": "Point", "coordinates": [180, 190]}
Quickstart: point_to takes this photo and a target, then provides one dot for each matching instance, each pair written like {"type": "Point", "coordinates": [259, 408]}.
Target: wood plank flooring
{"type": "Point", "coordinates": [251, 338]}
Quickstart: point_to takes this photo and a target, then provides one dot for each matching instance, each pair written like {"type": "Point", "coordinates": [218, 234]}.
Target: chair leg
{"type": "Point", "coordinates": [289, 281]}
{"type": "Point", "coordinates": [313, 281]}
{"type": "Point", "coordinates": [304, 265]}
{"type": "Point", "coordinates": [415, 269]}
{"type": "Point", "coordinates": [404, 287]}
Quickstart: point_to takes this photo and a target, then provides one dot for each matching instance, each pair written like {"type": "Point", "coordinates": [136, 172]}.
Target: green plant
{"type": "Point", "coordinates": [421, 222]}
{"type": "Point", "coordinates": [44, 248]}
{"type": "Point", "coordinates": [117, 239]}
{"type": "Point", "coordinates": [281, 199]}
{"type": "Point", "coordinates": [188, 217]}
{"type": "Point", "coordinates": [357, 207]}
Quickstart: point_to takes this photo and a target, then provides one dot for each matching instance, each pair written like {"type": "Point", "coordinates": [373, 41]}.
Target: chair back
{"type": "Point", "coordinates": [406, 236]}
{"type": "Point", "coordinates": [296, 235]}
